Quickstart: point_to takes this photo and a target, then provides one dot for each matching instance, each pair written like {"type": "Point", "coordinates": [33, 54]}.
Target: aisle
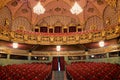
{"type": "Point", "coordinates": [59, 75]}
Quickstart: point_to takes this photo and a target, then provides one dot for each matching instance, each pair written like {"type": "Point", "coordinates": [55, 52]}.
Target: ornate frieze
{"type": "Point", "coordinates": [59, 38]}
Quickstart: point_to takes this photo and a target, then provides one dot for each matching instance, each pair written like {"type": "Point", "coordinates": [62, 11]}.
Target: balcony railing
{"type": "Point", "coordinates": [59, 38]}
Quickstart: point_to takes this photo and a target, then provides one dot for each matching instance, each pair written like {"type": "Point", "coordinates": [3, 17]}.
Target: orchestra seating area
{"type": "Point", "coordinates": [93, 71]}
{"type": "Point", "coordinates": [30, 71]}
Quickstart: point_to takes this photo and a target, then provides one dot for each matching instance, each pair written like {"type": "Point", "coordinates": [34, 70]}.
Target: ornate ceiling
{"type": "Point", "coordinates": [16, 14]}
{"type": "Point", "coordinates": [19, 13]}
{"type": "Point", "coordinates": [56, 7]}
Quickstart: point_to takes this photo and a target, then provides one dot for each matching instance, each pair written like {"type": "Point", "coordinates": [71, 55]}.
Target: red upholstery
{"type": "Point", "coordinates": [33, 71]}
{"type": "Point", "coordinates": [62, 64]}
{"type": "Point", "coordinates": [93, 71]}
{"type": "Point", "coordinates": [55, 63]}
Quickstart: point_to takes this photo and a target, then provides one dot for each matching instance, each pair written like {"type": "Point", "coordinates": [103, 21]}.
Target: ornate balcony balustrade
{"type": "Point", "coordinates": [59, 38]}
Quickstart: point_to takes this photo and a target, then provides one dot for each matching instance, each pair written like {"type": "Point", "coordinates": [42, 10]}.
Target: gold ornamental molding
{"type": "Point", "coordinates": [107, 49]}
{"type": "Point", "coordinates": [4, 2]}
{"type": "Point", "coordinates": [59, 38]}
{"type": "Point", "coordinates": [112, 3]}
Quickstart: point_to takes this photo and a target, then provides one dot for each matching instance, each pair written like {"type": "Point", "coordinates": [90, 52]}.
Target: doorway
{"type": "Point", "coordinates": [58, 64]}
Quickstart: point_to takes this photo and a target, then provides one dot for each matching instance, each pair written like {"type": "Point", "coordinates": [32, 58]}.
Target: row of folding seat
{"type": "Point", "coordinates": [33, 71]}
{"type": "Point", "coordinates": [93, 71]}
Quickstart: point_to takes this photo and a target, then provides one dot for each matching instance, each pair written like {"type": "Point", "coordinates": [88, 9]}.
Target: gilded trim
{"type": "Point", "coordinates": [59, 38]}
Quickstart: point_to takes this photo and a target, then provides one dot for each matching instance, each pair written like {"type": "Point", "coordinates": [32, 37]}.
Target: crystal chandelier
{"type": "Point", "coordinates": [38, 9]}
{"type": "Point", "coordinates": [76, 9]}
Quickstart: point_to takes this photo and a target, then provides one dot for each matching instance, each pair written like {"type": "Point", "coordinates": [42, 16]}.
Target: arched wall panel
{"type": "Point", "coordinates": [5, 17]}
{"type": "Point", "coordinates": [94, 22]}
{"type": "Point", "coordinates": [21, 22]}
{"type": "Point", "coordinates": [110, 16]}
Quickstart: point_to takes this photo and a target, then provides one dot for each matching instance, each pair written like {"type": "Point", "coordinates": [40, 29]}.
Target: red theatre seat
{"type": "Point", "coordinates": [93, 71]}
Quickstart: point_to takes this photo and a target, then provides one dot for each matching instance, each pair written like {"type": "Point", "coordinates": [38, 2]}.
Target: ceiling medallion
{"type": "Point", "coordinates": [76, 9]}
{"type": "Point", "coordinates": [38, 9]}
{"type": "Point", "coordinates": [57, 9]}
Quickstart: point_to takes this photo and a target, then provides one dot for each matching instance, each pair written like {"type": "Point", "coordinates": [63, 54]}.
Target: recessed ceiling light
{"type": "Point", "coordinates": [15, 45]}
{"type": "Point", "coordinates": [101, 43]}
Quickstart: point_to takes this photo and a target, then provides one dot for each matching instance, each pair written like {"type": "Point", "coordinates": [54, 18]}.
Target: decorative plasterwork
{"type": "Point", "coordinates": [112, 3]}
{"type": "Point", "coordinates": [55, 7]}
{"type": "Point", "coordinates": [22, 24]}
{"type": "Point", "coordinates": [4, 2]}
{"type": "Point", "coordinates": [59, 38]}
{"type": "Point", "coordinates": [58, 20]}
{"type": "Point", "coordinates": [60, 9]}
{"type": "Point", "coordinates": [83, 3]}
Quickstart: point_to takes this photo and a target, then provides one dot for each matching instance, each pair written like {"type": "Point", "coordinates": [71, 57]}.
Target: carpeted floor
{"type": "Point", "coordinates": [59, 75]}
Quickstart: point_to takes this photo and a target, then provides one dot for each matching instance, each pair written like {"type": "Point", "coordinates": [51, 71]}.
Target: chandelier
{"type": "Point", "coordinates": [38, 9]}
{"type": "Point", "coordinates": [76, 9]}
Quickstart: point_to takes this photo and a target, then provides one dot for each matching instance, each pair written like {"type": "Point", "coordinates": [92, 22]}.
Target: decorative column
{"type": "Point", "coordinates": [29, 56]}
{"type": "Point", "coordinates": [107, 55]}
{"type": "Point", "coordinates": [66, 59]}
{"type": "Point", "coordinates": [77, 28]}
{"type": "Point", "coordinates": [53, 29]}
{"type": "Point", "coordinates": [8, 56]}
{"type": "Point", "coordinates": [62, 29]}
{"type": "Point", "coordinates": [86, 53]}
{"type": "Point", "coordinates": [65, 27]}
{"type": "Point", "coordinates": [50, 28]}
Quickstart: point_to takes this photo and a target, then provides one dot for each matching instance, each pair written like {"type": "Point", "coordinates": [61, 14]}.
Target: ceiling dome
{"type": "Point", "coordinates": [95, 12]}
{"type": "Point", "coordinates": [96, 17]}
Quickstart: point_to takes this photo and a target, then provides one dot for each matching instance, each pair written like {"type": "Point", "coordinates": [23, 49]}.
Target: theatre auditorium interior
{"type": "Point", "coordinates": [59, 39]}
